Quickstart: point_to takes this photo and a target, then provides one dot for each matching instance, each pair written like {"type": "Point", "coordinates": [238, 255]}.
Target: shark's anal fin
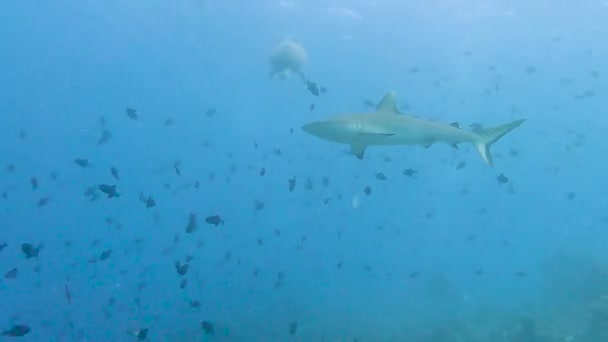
{"type": "Point", "coordinates": [358, 150]}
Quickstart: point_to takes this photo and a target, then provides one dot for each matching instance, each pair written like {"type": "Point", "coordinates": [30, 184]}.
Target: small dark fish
{"type": "Point", "coordinates": [479, 272]}
{"type": "Point", "coordinates": [313, 88]}
{"type": "Point", "coordinates": [461, 165]}
{"type": "Point", "coordinates": [147, 200]}
{"type": "Point", "coordinates": [312, 107]}
{"type": "Point", "coordinates": [43, 202]}
{"type": "Point", "coordinates": [323, 90]}
{"type": "Point", "coordinates": [410, 172]}
{"type": "Point", "coordinates": [105, 136]}
{"type": "Point", "coordinates": [380, 176]}
{"type": "Point", "coordinates": [132, 113]}
{"type": "Point", "coordinates": [521, 274]}
{"type": "Point", "coordinates": [293, 328]}
{"type": "Point", "coordinates": [177, 166]}
{"type": "Point", "coordinates": [150, 202]}
{"type": "Point", "coordinates": [183, 284]}
{"type": "Point", "coordinates": [195, 304]}
{"type": "Point", "coordinates": [169, 122]}
{"type": "Point", "coordinates": [262, 172]}
{"type": "Point", "coordinates": [114, 172]}
{"type": "Point", "coordinates": [105, 255]}
{"type": "Point", "coordinates": [34, 183]}
{"type": "Point", "coordinates": [530, 69]}
{"type": "Point", "coordinates": [17, 330]}
{"type": "Point", "coordinates": [68, 293]}
{"type": "Point", "coordinates": [257, 205]}
{"type": "Point", "coordinates": [3, 246]}
{"type": "Point", "coordinates": [208, 327]}
{"type": "Point", "coordinates": [210, 112]}
{"type": "Point", "coordinates": [109, 190]}
{"type": "Point", "coordinates": [502, 179]}
{"type": "Point", "coordinates": [30, 250]}
{"type": "Point", "coordinates": [414, 275]}
{"type": "Point", "coordinates": [140, 334]}
{"type": "Point", "coordinates": [367, 190]}
{"type": "Point", "coordinates": [10, 168]}
{"type": "Point", "coordinates": [292, 184]}
{"type": "Point", "coordinates": [84, 163]}
{"type": "Point", "coordinates": [192, 224]}
{"type": "Point", "coordinates": [369, 103]}
{"type": "Point", "coordinates": [181, 269]}
{"type": "Point", "coordinates": [22, 134]}
{"type": "Point", "coordinates": [12, 274]}
{"type": "Point", "coordinates": [571, 196]}
{"type": "Point", "coordinates": [215, 220]}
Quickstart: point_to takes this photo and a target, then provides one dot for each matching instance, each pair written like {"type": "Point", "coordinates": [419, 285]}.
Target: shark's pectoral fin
{"type": "Point", "coordinates": [427, 145]}
{"type": "Point", "coordinates": [358, 150]}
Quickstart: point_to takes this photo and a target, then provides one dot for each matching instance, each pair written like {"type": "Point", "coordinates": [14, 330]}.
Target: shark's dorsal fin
{"type": "Point", "coordinates": [388, 104]}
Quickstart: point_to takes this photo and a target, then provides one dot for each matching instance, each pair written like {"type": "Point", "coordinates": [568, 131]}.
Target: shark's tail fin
{"type": "Point", "coordinates": [489, 136]}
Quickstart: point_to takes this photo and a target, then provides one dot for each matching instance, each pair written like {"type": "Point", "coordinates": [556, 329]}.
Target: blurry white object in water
{"type": "Point", "coordinates": [355, 202]}
{"type": "Point", "coordinates": [287, 57]}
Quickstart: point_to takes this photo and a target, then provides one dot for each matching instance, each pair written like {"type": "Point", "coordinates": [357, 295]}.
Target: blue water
{"type": "Point", "coordinates": [449, 253]}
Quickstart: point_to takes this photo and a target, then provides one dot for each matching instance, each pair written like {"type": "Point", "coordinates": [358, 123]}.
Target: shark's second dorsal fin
{"type": "Point", "coordinates": [388, 104]}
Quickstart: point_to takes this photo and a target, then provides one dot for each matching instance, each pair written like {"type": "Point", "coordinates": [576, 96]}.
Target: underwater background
{"type": "Point", "coordinates": [156, 183]}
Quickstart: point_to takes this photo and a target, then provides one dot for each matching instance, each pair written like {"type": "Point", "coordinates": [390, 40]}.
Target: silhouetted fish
{"type": "Point", "coordinates": [17, 330]}
{"type": "Point", "coordinates": [192, 223]}
{"type": "Point", "coordinates": [210, 112]}
{"type": "Point", "coordinates": [84, 163]}
{"type": "Point", "coordinates": [105, 136]}
{"type": "Point", "coordinates": [208, 327]}
{"type": "Point", "coordinates": [105, 255]}
{"type": "Point", "coordinates": [292, 184]}
{"type": "Point", "coordinates": [313, 88]}
{"type": "Point", "coordinates": [114, 172]}
{"type": "Point", "coordinates": [30, 250]}
{"type": "Point", "coordinates": [147, 200]}
{"type": "Point", "coordinates": [12, 274]}
{"type": "Point", "coordinates": [215, 220]}
{"type": "Point", "coordinates": [181, 269]}
{"type": "Point", "coordinates": [132, 113]}
{"type": "Point", "coordinates": [369, 103]}
{"type": "Point", "coordinates": [109, 190]}
{"type": "Point", "coordinates": [293, 328]}
{"type": "Point", "coordinates": [139, 334]}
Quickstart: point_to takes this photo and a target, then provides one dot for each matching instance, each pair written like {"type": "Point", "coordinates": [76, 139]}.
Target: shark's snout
{"type": "Point", "coordinates": [313, 128]}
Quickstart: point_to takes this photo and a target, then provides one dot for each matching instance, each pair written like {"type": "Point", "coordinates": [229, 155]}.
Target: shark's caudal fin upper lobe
{"type": "Point", "coordinates": [489, 136]}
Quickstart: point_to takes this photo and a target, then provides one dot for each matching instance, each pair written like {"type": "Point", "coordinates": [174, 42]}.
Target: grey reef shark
{"type": "Point", "coordinates": [387, 126]}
